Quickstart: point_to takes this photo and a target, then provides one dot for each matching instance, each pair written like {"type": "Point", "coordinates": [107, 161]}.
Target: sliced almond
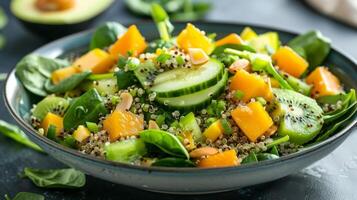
{"type": "Point", "coordinates": [197, 56]}
{"type": "Point", "coordinates": [239, 64]}
{"type": "Point", "coordinates": [203, 151]}
{"type": "Point", "coordinates": [126, 101]}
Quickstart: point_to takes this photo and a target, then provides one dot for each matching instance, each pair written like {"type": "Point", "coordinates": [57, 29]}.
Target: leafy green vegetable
{"type": "Point", "coordinates": [240, 47]}
{"type": "Point", "coordinates": [274, 151]}
{"type": "Point", "coordinates": [159, 44]}
{"type": "Point", "coordinates": [68, 141]}
{"type": "Point", "coordinates": [216, 108]}
{"type": "Point", "coordinates": [106, 35]}
{"type": "Point", "coordinates": [51, 133]}
{"type": "Point", "coordinates": [55, 178]}
{"type": "Point", "coordinates": [34, 71]}
{"type": "Point", "coordinates": [88, 107]}
{"type": "Point", "coordinates": [261, 62]}
{"type": "Point", "coordinates": [126, 150]}
{"type": "Point", "coordinates": [278, 141]}
{"type": "Point", "coordinates": [251, 158]}
{"type": "Point", "coordinates": [18, 135]}
{"type": "Point", "coordinates": [189, 123]}
{"type": "Point", "coordinates": [173, 162]}
{"type": "Point", "coordinates": [266, 156]}
{"type": "Point", "coordinates": [67, 84]}
{"type": "Point", "coordinates": [343, 99]}
{"type": "Point", "coordinates": [167, 142]}
{"type": "Point", "coordinates": [26, 196]}
{"type": "Point", "coordinates": [313, 46]}
{"type": "Point", "coordinates": [125, 78]}
{"type": "Point", "coordinates": [162, 21]}
{"type": "Point", "coordinates": [226, 127]}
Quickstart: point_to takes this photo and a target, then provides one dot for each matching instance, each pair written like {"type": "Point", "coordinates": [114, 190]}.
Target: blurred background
{"type": "Point", "coordinates": [330, 178]}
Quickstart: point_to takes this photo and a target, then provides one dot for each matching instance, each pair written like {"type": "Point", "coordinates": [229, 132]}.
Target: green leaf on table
{"type": "Point", "coordinates": [13, 132]}
{"type": "Point", "coordinates": [167, 142]}
{"type": "Point", "coordinates": [106, 34]}
{"type": "Point", "coordinates": [67, 84]}
{"type": "Point", "coordinates": [55, 178]}
{"type": "Point", "coordinates": [34, 71]}
{"type": "Point", "coordinates": [26, 196]}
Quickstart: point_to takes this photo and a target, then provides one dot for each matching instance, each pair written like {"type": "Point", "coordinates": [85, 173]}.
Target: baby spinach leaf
{"type": "Point", "coordinates": [266, 156]}
{"type": "Point", "coordinates": [106, 35]}
{"type": "Point", "coordinates": [333, 117]}
{"type": "Point", "coordinates": [167, 142]}
{"type": "Point", "coordinates": [278, 141]}
{"type": "Point", "coordinates": [67, 84]}
{"type": "Point", "coordinates": [34, 70]}
{"type": "Point", "coordinates": [274, 150]}
{"type": "Point", "coordinates": [313, 45]}
{"type": "Point", "coordinates": [173, 162]}
{"type": "Point", "coordinates": [26, 196]}
{"type": "Point", "coordinates": [344, 99]}
{"type": "Point", "coordinates": [55, 178]}
{"type": "Point", "coordinates": [251, 158]}
{"type": "Point", "coordinates": [87, 108]}
{"type": "Point", "coordinates": [125, 78]}
{"type": "Point", "coordinates": [17, 135]}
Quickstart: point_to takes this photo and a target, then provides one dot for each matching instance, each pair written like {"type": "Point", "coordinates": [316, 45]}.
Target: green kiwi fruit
{"type": "Point", "coordinates": [56, 105]}
{"type": "Point", "coordinates": [103, 86]}
{"type": "Point", "coordinates": [298, 116]}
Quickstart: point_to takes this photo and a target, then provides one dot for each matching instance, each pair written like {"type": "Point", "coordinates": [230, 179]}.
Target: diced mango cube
{"type": "Point", "coordinates": [232, 38]}
{"type": "Point", "coordinates": [122, 123]}
{"type": "Point", "coordinates": [290, 62]}
{"type": "Point", "coordinates": [192, 37]}
{"type": "Point", "coordinates": [225, 159]}
{"type": "Point", "coordinates": [214, 131]}
{"type": "Point", "coordinates": [97, 61]}
{"type": "Point", "coordinates": [54, 120]}
{"type": "Point", "coordinates": [252, 119]}
{"type": "Point", "coordinates": [197, 56]}
{"type": "Point", "coordinates": [61, 74]}
{"type": "Point", "coordinates": [251, 85]}
{"type": "Point", "coordinates": [81, 133]}
{"type": "Point", "coordinates": [130, 42]}
{"type": "Point", "coordinates": [324, 82]}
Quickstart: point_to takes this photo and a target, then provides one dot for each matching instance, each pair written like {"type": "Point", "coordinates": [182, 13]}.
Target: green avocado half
{"type": "Point", "coordinates": [54, 24]}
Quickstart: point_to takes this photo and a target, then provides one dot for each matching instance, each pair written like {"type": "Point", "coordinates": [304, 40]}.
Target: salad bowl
{"type": "Point", "coordinates": [178, 180]}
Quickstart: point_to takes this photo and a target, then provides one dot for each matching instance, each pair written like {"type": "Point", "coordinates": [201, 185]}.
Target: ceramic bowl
{"type": "Point", "coordinates": [178, 180]}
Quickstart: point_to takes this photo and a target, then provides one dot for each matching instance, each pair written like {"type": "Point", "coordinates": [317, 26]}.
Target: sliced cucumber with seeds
{"type": "Point", "coordinates": [195, 100]}
{"type": "Point", "coordinates": [183, 81]}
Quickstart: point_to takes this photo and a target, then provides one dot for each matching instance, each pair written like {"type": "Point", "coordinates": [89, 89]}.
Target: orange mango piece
{"type": "Point", "coordinates": [61, 74]}
{"type": "Point", "coordinates": [251, 85]}
{"type": "Point", "coordinates": [290, 62]}
{"type": "Point", "coordinates": [225, 159]}
{"type": "Point", "coordinates": [252, 119]}
{"type": "Point", "coordinates": [81, 133]}
{"type": "Point", "coordinates": [197, 56]}
{"type": "Point", "coordinates": [131, 41]}
{"type": "Point", "coordinates": [97, 61]}
{"type": "Point", "coordinates": [324, 82]}
{"type": "Point", "coordinates": [214, 131]}
{"type": "Point", "coordinates": [232, 38]}
{"type": "Point", "coordinates": [52, 119]}
{"type": "Point", "coordinates": [192, 37]}
{"type": "Point", "coordinates": [121, 124]}
{"type": "Point", "coordinates": [274, 83]}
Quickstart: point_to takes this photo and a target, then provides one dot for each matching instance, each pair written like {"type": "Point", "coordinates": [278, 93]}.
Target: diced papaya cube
{"type": "Point", "coordinates": [130, 42]}
{"type": "Point", "coordinates": [251, 85]}
{"type": "Point", "coordinates": [252, 119]}
{"type": "Point", "coordinates": [324, 82]}
{"type": "Point", "coordinates": [81, 133]}
{"type": "Point", "coordinates": [232, 38]}
{"type": "Point", "coordinates": [274, 83]}
{"type": "Point", "coordinates": [214, 131]}
{"type": "Point", "coordinates": [290, 62]}
{"type": "Point", "coordinates": [192, 37]}
{"type": "Point", "coordinates": [197, 56]}
{"type": "Point", "coordinates": [248, 34]}
{"type": "Point", "coordinates": [121, 124]}
{"type": "Point", "coordinates": [61, 74]}
{"type": "Point", "coordinates": [225, 159]}
{"type": "Point", "coordinates": [97, 61]}
{"type": "Point", "coordinates": [52, 119]}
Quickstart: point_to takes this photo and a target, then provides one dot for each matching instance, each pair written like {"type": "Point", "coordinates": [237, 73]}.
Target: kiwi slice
{"type": "Point", "coordinates": [298, 116]}
{"type": "Point", "coordinates": [56, 105]}
{"type": "Point", "coordinates": [103, 86]}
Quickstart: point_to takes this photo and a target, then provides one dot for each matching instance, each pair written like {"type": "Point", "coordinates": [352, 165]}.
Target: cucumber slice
{"type": "Point", "coordinates": [125, 151]}
{"type": "Point", "coordinates": [189, 123]}
{"type": "Point", "coordinates": [195, 100]}
{"type": "Point", "coordinates": [184, 81]}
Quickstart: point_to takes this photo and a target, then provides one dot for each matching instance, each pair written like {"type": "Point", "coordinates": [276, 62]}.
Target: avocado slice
{"type": "Point", "coordinates": [55, 24]}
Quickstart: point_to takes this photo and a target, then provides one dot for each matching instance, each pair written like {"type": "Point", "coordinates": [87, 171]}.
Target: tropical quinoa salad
{"type": "Point", "coordinates": [188, 100]}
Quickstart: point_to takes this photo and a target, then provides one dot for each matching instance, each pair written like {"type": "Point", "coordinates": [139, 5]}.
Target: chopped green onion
{"type": "Point", "coordinates": [210, 121]}
{"type": "Point", "coordinates": [69, 141]}
{"type": "Point", "coordinates": [51, 132]}
{"type": "Point", "coordinates": [163, 57]}
{"type": "Point", "coordinates": [133, 63]}
{"type": "Point", "coordinates": [261, 100]}
{"type": "Point", "coordinates": [114, 100]}
{"type": "Point", "coordinates": [92, 127]}
{"type": "Point", "coordinates": [226, 127]}
{"type": "Point", "coordinates": [278, 141]}
{"type": "Point", "coordinates": [160, 119]}
{"type": "Point", "coordinates": [122, 62]}
{"type": "Point", "coordinates": [180, 60]}
{"type": "Point", "coordinates": [238, 95]}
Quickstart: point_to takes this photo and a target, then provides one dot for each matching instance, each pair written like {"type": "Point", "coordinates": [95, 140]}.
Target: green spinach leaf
{"type": "Point", "coordinates": [274, 150]}
{"type": "Point", "coordinates": [173, 162]}
{"type": "Point", "coordinates": [87, 108]}
{"type": "Point", "coordinates": [167, 142]}
{"type": "Point", "coordinates": [251, 158]}
{"type": "Point", "coordinates": [106, 35]}
{"type": "Point", "coordinates": [266, 156]}
{"type": "Point", "coordinates": [34, 70]}
{"type": "Point", "coordinates": [55, 178]}
{"type": "Point", "coordinates": [17, 135]}
{"type": "Point", "coordinates": [125, 78]}
{"type": "Point", "coordinates": [26, 196]}
{"type": "Point", "coordinates": [67, 84]}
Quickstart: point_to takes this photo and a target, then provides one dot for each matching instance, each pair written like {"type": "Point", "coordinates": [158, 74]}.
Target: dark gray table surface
{"type": "Point", "coordinates": [333, 177]}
